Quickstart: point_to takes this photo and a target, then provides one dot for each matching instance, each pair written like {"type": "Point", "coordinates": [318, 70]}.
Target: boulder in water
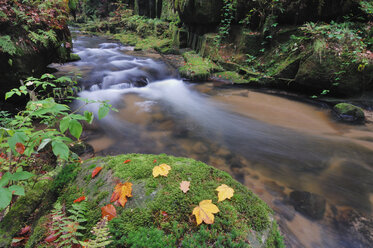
{"type": "Point", "coordinates": [349, 113]}
{"type": "Point", "coordinates": [309, 204]}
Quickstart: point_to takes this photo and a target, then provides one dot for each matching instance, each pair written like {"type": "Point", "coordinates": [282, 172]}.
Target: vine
{"type": "Point", "coordinates": [229, 10]}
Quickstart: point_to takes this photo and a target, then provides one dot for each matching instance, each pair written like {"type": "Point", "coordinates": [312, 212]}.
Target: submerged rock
{"type": "Point", "coordinates": [349, 113]}
{"type": "Point", "coordinates": [309, 204]}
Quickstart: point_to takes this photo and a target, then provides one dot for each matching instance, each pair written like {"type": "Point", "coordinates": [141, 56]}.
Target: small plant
{"type": "Point", "coordinates": [21, 141]}
{"type": "Point", "coordinates": [101, 233]}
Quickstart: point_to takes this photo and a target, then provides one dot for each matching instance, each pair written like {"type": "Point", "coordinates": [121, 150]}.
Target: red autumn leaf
{"type": "Point", "coordinates": [25, 230]}
{"type": "Point", "coordinates": [127, 161]}
{"type": "Point", "coordinates": [154, 161]}
{"type": "Point", "coordinates": [164, 213]}
{"type": "Point", "coordinates": [109, 211]}
{"type": "Point", "coordinates": [20, 148]}
{"type": "Point", "coordinates": [2, 155]}
{"type": "Point", "coordinates": [51, 238]}
{"type": "Point", "coordinates": [82, 198]}
{"type": "Point", "coordinates": [96, 171]}
{"type": "Point", "coordinates": [121, 192]}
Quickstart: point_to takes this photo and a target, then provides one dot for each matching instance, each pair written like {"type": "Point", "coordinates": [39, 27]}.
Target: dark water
{"type": "Point", "coordinates": [263, 141]}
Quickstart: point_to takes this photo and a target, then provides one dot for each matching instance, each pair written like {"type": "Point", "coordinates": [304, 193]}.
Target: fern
{"type": "Point", "coordinates": [6, 45]}
{"type": "Point", "coordinates": [43, 37]}
{"type": "Point", "coordinates": [101, 231]}
{"type": "Point", "coordinates": [68, 227]}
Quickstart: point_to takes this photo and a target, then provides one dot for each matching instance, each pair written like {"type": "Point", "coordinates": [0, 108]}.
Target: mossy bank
{"type": "Point", "coordinates": [159, 214]}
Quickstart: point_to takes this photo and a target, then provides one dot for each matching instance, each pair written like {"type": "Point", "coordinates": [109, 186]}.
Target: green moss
{"type": "Point", "coordinates": [196, 67]}
{"type": "Point", "coordinates": [158, 203]}
{"type": "Point", "coordinates": [274, 239]}
{"type": "Point", "coordinates": [74, 57]}
{"type": "Point", "coordinates": [232, 76]}
{"type": "Point", "coordinates": [34, 203]}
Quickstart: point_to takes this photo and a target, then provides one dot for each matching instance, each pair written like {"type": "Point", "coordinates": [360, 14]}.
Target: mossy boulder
{"type": "Point", "coordinates": [349, 113]}
{"type": "Point", "coordinates": [160, 215]}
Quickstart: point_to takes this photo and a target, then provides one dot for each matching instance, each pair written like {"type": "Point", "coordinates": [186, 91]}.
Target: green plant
{"type": "Point", "coordinates": [229, 9]}
{"type": "Point", "coordinates": [6, 45]}
{"type": "Point", "coordinates": [101, 233]}
{"type": "Point", "coordinates": [68, 228]}
{"type": "Point", "coordinates": [21, 141]}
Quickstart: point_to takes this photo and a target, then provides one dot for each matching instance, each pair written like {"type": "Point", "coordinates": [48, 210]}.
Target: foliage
{"type": "Point", "coordinates": [121, 192]}
{"type": "Point", "coordinates": [229, 9]}
{"type": "Point", "coordinates": [101, 233]}
{"type": "Point", "coordinates": [161, 170]}
{"type": "Point", "coordinates": [204, 212]}
{"type": "Point", "coordinates": [6, 45]}
{"type": "Point", "coordinates": [184, 186]}
{"type": "Point", "coordinates": [22, 141]}
{"type": "Point", "coordinates": [31, 23]}
{"type": "Point", "coordinates": [225, 192]}
{"type": "Point", "coordinates": [67, 229]}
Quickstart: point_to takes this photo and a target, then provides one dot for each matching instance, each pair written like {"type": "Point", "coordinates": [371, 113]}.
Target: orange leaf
{"type": "Point", "coordinates": [121, 192]}
{"type": "Point", "coordinates": [96, 171]}
{"type": "Point", "coordinates": [25, 230]}
{"type": "Point", "coordinates": [51, 238]}
{"type": "Point", "coordinates": [184, 186]}
{"type": "Point", "coordinates": [82, 198]}
{"type": "Point", "coordinates": [109, 211]}
{"type": "Point", "coordinates": [20, 148]}
{"type": "Point", "coordinates": [127, 161]}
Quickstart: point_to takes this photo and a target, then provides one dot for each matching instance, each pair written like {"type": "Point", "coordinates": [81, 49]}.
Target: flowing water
{"type": "Point", "coordinates": [271, 144]}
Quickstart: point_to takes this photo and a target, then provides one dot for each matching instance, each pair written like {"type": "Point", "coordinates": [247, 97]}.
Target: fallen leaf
{"type": "Point", "coordinates": [225, 192]}
{"type": "Point", "coordinates": [96, 171]}
{"type": "Point", "coordinates": [154, 161]}
{"type": "Point", "coordinates": [204, 212]}
{"type": "Point", "coordinates": [20, 148]}
{"type": "Point", "coordinates": [121, 192]}
{"type": "Point", "coordinates": [25, 230]}
{"type": "Point", "coordinates": [109, 211]}
{"type": "Point", "coordinates": [17, 239]}
{"type": "Point", "coordinates": [127, 161]}
{"type": "Point", "coordinates": [184, 186]}
{"type": "Point", "coordinates": [164, 213]}
{"type": "Point", "coordinates": [162, 170]}
{"type": "Point", "coordinates": [51, 238]}
{"type": "Point", "coordinates": [82, 198]}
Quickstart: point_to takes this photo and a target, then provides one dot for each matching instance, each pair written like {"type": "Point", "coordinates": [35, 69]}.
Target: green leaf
{"type": "Point", "coordinates": [21, 175]}
{"type": "Point", "coordinates": [75, 128]}
{"type": "Point", "coordinates": [60, 149]}
{"type": "Point", "coordinates": [5, 197]}
{"type": "Point", "coordinates": [44, 143]}
{"type": "Point", "coordinates": [17, 137]}
{"type": "Point", "coordinates": [64, 124]}
{"type": "Point", "coordinates": [88, 116]}
{"type": "Point", "coordinates": [9, 94]}
{"type": "Point", "coordinates": [17, 190]}
{"type": "Point", "coordinates": [102, 112]}
{"type": "Point", "coordinates": [5, 179]}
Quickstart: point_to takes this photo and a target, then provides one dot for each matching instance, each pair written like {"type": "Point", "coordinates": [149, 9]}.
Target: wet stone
{"type": "Point", "coordinates": [309, 204]}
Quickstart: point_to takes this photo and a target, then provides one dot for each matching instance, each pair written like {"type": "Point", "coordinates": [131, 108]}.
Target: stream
{"type": "Point", "coordinates": [271, 144]}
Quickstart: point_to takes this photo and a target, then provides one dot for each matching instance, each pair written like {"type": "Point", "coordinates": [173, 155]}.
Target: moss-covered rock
{"type": "Point", "coordinates": [196, 67]}
{"type": "Point", "coordinates": [160, 215]}
{"type": "Point", "coordinates": [349, 113]}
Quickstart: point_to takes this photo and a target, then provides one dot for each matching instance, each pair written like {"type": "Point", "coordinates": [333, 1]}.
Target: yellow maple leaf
{"type": "Point", "coordinates": [121, 192]}
{"type": "Point", "coordinates": [204, 212]}
{"type": "Point", "coordinates": [162, 170]}
{"type": "Point", "coordinates": [225, 192]}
